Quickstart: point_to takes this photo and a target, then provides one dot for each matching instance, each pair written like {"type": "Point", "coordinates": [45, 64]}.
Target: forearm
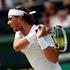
{"type": "Point", "coordinates": [51, 54]}
{"type": "Point", "coordinates": [47, 46]}
{"type": "Point", "coordinates": [20, 44]}
{"type": "Point", "coordinates": [24, 42]}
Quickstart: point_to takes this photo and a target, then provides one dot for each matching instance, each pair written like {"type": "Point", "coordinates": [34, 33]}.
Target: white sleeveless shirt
{"type": "Point", "coordinates": [35, 54]}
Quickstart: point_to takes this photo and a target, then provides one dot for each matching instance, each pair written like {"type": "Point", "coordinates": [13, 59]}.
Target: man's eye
{"type": "Point", "coordinates": [9, 18]}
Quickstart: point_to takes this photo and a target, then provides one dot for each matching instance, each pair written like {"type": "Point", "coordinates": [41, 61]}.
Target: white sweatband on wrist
{"type": "Point", "coordinates": [32, 37]}
{"type": "Point", "coordinates": [42, 42]}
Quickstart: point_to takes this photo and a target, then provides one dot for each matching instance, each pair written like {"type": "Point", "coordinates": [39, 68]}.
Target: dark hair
{"type": "Point", "coordinates": [28, 17]}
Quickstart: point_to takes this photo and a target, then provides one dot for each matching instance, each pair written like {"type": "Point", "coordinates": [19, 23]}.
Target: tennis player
{"type": "Point", "coordinates": [34, 41]}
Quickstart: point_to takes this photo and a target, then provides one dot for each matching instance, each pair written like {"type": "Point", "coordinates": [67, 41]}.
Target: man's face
{"type": "Point", "coordinates": [13, 22]}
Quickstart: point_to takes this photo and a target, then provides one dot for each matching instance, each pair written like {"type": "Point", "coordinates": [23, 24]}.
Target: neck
{"type": "Point", "coordinates": [26, 29]}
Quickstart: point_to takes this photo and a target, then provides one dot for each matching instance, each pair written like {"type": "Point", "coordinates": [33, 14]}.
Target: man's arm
{"type": "Point", "coordinates": [47, 44]}
{"type": "Point", "coordinates": [51, 54]}
{"type": "Point", "coordinates": [21, 43]}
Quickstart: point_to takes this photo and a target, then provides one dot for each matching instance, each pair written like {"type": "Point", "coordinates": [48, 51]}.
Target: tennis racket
{"type": "Point", "coordinates": [60, 38]}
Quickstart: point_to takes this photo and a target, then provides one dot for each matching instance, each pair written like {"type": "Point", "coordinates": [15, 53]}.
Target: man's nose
{"type": "Point", "coordinates": [8, 22]}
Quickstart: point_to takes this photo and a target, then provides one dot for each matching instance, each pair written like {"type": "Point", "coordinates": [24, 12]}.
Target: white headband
{"type": "Point", "coordinates": [32, 12]}
{"type": "Point", "coordinates": [15, 12]}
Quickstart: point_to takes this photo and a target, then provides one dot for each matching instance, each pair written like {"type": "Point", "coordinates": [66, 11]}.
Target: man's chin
{"type": "Point", "coordinates": [15, 30]}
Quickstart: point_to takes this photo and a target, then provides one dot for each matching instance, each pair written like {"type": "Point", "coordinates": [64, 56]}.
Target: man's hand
{"type": "Point", "coordinates": [42, 31]}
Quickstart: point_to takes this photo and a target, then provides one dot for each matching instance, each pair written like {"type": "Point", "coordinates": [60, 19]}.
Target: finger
{"type": "Point", "coordinates": [39, 27]}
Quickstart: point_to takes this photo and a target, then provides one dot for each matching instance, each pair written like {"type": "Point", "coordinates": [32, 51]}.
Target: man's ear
{"type": "Point", "coordinates": [20, 18]}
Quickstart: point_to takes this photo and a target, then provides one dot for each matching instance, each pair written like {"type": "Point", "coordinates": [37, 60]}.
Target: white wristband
{"type": "Point", "coordinates": [42, 42]}
{"type": "Point", "coordinates": [32, 37]}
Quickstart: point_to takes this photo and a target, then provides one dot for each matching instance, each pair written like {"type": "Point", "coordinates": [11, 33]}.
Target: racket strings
{"type": "Point", "coordinates": [60, 38]}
